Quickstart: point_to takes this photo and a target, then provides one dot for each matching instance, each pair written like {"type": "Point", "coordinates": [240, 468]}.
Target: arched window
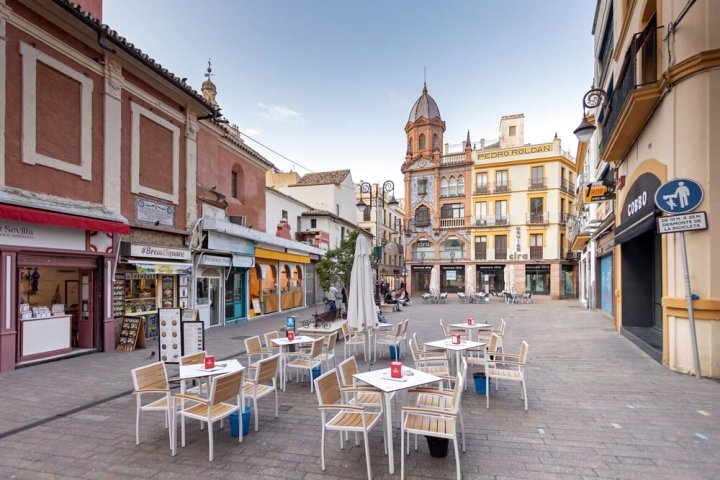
{"type": "Point", "coordinates": [435, 142]}
{"type": "Point", "coordinates": [461, 185]}
{"type": "Point", "coordinates": [452, 189]}
{"type": "Point", "coordinates": [443, 187]}
{"type": "Point", "coordinates": [421, 142]}
{"type": "Point", "coordinates": [422, 216]}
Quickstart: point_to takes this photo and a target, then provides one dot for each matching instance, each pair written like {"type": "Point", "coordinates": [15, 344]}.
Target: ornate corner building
{"type": "Point", "coordinates": [489, 216]}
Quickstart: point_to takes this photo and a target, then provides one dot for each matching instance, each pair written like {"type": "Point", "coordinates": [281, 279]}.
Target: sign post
{"type": "Point", "coordinates": [680, 196]}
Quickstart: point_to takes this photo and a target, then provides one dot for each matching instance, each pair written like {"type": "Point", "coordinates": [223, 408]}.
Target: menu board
{"type": "Point", "coordinates": [169, 340]}
{"type": "Point", "coordinates": [183, 290]}
{"type": "Point", "coordinates": [119, 296]}
{"type": "Point", "coordinates": [189, 314]}
{"type": "Point", "coordinates": [151, 325]}
{"type": "Point", "coordinates": [193, 337]}
{"type": "Point", "coordinates": [131, 334]}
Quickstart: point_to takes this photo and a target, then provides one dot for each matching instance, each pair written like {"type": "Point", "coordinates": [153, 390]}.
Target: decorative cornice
{"type": "Point", "coordinates": [693, 65]}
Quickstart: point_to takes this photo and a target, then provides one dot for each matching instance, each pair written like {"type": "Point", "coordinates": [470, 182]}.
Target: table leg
{"type": "Point", "coordinates": [282, 367]}
{"type": "Point", "coordinates": [457, 361]}
{"type": "Point", "coordinates": [388, 427]}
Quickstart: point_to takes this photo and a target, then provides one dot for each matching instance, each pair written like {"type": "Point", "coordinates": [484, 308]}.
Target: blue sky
{"type": "Point", "coordinates": [330, 83]}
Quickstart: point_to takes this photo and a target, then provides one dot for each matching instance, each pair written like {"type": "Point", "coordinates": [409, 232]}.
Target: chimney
{"type": "Point", "coordinates": [93, 7]}
{"type": "Point", "coordinates": [283, 230]}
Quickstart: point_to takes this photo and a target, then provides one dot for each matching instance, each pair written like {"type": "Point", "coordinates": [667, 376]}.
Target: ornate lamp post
{"type": "Point", "coordinates": [387, 187]}
{"type": "Point", "coordinates": [594, 98]}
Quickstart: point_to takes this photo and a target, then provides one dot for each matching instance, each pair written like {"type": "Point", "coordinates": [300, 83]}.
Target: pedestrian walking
{"type": "Point", "coordinates": [332, 298]}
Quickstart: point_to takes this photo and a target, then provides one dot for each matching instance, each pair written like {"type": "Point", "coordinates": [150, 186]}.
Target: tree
{"type": "Point", "coordinates": [337, 264]}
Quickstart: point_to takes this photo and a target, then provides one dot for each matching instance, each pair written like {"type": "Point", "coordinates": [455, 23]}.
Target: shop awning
{"type": "Point", "coordinates": [166, 268]}
{"type": "Point", "coordinates": [30, 215]}
{"type": "Point", "coordinates": [261, 253]}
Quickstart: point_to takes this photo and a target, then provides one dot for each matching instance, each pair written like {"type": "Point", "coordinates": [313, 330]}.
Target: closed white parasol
{"type": "Point", "coordinates": [361, 303]}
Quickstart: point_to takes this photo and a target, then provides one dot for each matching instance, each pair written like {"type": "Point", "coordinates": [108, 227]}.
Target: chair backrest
{"type": "Point", "coordinates": [457, 391]}
{"type": "Point", "coordinates": [522, 357]}
{"type": "Point", "coordinates": [270, 336]}
{"type": "Point", "coordinates": [492, 346]}
{"type": "Point", "coordinates": [267, 369]}
{"type": "Point", "coordinates": [500, 329]}
{"type": "Point", "coordinates": [330, 342]}
{"type": "Point", "coordinates": [346, 330]}
{"type": "Point", "coordinates": [348, 368]}
{"type": "Point", "coordinates": [150, 376]}
{"type": "Point", "coordinates": [316, 348]}
{"type": "Point", "coordinates": [252, 345]}
{"type": "Point", "coordinates": [413, 349]}
{"type": "Point", "coordinates": [405, 324]}
{"type": "Point", "coordinates": [327, 388]}
{"type": "Point", "coordinates": [225, 387]}
{"type": "Point", "coordinates": [194, 359]}
{"type": "Point", "coordinates": [397, 329]}
{"type": "Point", "coordinates": [442, 325]}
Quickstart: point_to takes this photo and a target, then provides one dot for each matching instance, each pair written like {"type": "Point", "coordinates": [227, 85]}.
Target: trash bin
{"type": "Point", "coordinates": [479, 383]}
{"type": "Point", "coordinates": [235, 427]}
{"type": "Point", "coordinates": [438, 446]}
{"type": "Point", "coordinates": [394, 352]}
{"type": "Point", "coordinates": [315, 373]}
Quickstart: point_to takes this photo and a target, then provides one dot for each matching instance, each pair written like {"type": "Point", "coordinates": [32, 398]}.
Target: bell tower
{"type": "Point", "coordinates": [424, 130]}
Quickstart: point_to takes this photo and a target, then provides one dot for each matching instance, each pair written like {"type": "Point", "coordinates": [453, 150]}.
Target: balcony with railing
{"type": "Point", "coordinates": [537, 183]}
{"type": "Point", "coordinates": [500, 253]}
{"type": "Point", "coordinates": [536, 253]}
{"type": "Point", "coordinates": [538, 218]}
{"type": "Point", "coordinates": [501, 187]}
{"type": "Point", "coordinates": [480, 253]}
{"type": "Point", "coordinates": [453, 159]}
{"type": "Point", "coordinates": [636, 94]}
{"type": "Point", "coordinates": [564, 217]}
{"type": "Point", "coordinates": [452, 255]}
{"type": "Point", "coordinates": [452, 222]}
{"type": "Point", "coordinates": [482, 189]}
{"type": "Point", "coordinates": [491, 220]}
{"type": "Point", "coordinates": [567, 186]}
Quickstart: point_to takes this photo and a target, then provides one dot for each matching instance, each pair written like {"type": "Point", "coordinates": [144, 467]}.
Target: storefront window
{"type": "Point", "coordinates": [421, 279]}
{"type": "Point", "coordinates": [490, 276]}
{"type": "Point", "coordinates": [568, 281]}
{"type": "Point", "coordinates": [452, 278]}
{"type": "Point", "coordinates": [537, 279]}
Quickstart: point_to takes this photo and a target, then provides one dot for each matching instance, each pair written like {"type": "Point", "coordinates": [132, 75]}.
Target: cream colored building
{"type": "Point", "coordinates": [657, 62]}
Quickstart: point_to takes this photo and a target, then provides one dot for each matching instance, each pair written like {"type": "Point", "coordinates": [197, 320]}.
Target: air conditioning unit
{"type": "Point", "coordinates": [310, 241]}
{"type": "Point", "coordinates": [238, 219]}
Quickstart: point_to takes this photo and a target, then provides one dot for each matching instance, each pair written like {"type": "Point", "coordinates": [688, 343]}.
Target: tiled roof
{"type": "Point", "coordinates": [323, 178]}
{"type": "Point", "coordinates": [425, 107]}
{"type": "Point", "coordinates": [105, 33]}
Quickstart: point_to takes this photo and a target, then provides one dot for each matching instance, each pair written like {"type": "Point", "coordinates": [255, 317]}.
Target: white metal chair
{"type": "Point", "coordinates": [433, 365]}
{"type": "Point", "coordinates": [432, 422]}
{"type": "Point", "coordinates": [152, 380]}
{"type": "Point", "coordinates": [393, 338]}
{"type": "Point", "coordinates": [353, 339]}
{"type": "Point", "coordinates": [507, 367]}
{"type": "Point", "coordinates": [477, 358]}
{"type": "Point", "coordinates": [328, 350]}
{"type": "Point", "coordinates": [349, 418]}
{"type": "Point", "coordinates": [224, 390]}
{"type": "Point", "coordinates": [269, 337]}
{"type": "Point", "coordinates": [201, 384]}
{"type": "Point", "coordinates": [257, 387]}
{"type": "Point", "coordinates": [307, 361]}
{"type": "Point", "coordinates": [527, 297]}
{"type": "Point", "coordinates": [253, 348]}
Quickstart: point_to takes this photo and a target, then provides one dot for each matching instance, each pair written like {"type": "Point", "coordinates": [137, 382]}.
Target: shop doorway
{"type": "Point", "coordinates": [86, 330]}
{"type": "Point", "coordinates": [642, 288]}
{"type": "Point", "coordinates": [209, 295]}
{"type": "Point", "coordinates": [235, 295]}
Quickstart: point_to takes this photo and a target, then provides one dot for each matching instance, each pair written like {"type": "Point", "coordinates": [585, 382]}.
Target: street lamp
{"type": "Point", "coordinates": [593, 98]}
{"type": "Point", "coordinates": [387, 187]}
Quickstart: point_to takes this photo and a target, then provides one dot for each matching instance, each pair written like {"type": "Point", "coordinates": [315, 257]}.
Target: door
{"type": "Point", "coordinates": [606, 284]}
{"type": "Point", "coordinates": [657, 283]}
{"type": "Point", "coordinates": [235, 295]}
{"type": "Point", "coordinates": [86, 315]}
{"type": "Point", "coordinates": [216, 303]}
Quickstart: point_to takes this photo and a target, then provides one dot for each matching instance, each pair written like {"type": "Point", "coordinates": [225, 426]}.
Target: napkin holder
{"type": "Point", "coordinates": [210, 362]}
{"type": "Point", "coordinates": [396, 369]}
{"type": "Point", "coordinates": [456, 339]}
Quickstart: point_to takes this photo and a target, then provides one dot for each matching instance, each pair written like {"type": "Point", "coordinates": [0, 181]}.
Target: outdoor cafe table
{"type": "Point", "coordinates": [192, 372]}
{"type": "Point", "coordinates": [448, 345]}
{"type": "Point", "coordinates": [382, 380]}
{"type": "Point", "coordinates": [474, 326]}
{"type": "Point", "coordinates": [283, 343]}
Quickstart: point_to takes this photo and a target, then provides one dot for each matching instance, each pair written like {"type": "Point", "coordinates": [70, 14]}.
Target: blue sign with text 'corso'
{"type": "Point", "coordinates": [680, 195]}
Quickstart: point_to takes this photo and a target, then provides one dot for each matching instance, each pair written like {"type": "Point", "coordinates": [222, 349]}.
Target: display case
{"type": "Point", "coordinates": [140, 294]}
{"type": "Point", "coordinates": [168, 291]}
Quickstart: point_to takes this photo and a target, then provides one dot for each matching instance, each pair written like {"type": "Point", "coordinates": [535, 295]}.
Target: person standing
{"type": "Point", "coordinates": [344, 298]}
{"type": "Point", "coordinates": [332, 298]}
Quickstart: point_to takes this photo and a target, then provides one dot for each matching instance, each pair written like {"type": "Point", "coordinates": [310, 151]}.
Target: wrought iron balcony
{"type": "Point", "coordinates": [537, 183]}
{"type": "Point", "coordinates": [480, 254]}
{"type": "Point", "coordinates": [482, 189]}
{"type": "Point", "coordinates": [501, 187]}
{"type": "Point", "coordinates": [564, 217]}
{"type": "Point", "coordinates": [538, 218]}
{"type": "Point", "coordinates": [500, 253]}
{"type": "Point", "coordinates": [536, 253]}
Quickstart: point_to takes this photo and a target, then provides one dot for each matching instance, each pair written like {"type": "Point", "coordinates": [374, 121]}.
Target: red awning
{"type": "Point", "coordinates": [22, 214]}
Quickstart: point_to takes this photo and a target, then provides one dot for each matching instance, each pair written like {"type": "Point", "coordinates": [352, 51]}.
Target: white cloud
{"type": "Point", "coordinates": [253, 132]}
{"type": "Point", "coordinates": [280, 113]}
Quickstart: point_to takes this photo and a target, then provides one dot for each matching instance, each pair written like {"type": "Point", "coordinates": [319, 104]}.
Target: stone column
{"type": "Point", "coordinates": [112, 135]}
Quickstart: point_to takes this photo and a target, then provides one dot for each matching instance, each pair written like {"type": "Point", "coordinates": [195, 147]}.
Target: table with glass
{"type": "Point", "coordinates": [456, 347]}
{"type": "Point", "coordinates": [382, 380]}
{"type": "Point", "coordinates": [284, 343]}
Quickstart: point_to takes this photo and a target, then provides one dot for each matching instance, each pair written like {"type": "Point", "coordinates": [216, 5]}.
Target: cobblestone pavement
{"type": "Point", "coordinates": [598, 408]}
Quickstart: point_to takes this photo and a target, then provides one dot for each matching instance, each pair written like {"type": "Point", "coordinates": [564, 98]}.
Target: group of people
{"type": "Point", "coordinates": [332, 296]}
